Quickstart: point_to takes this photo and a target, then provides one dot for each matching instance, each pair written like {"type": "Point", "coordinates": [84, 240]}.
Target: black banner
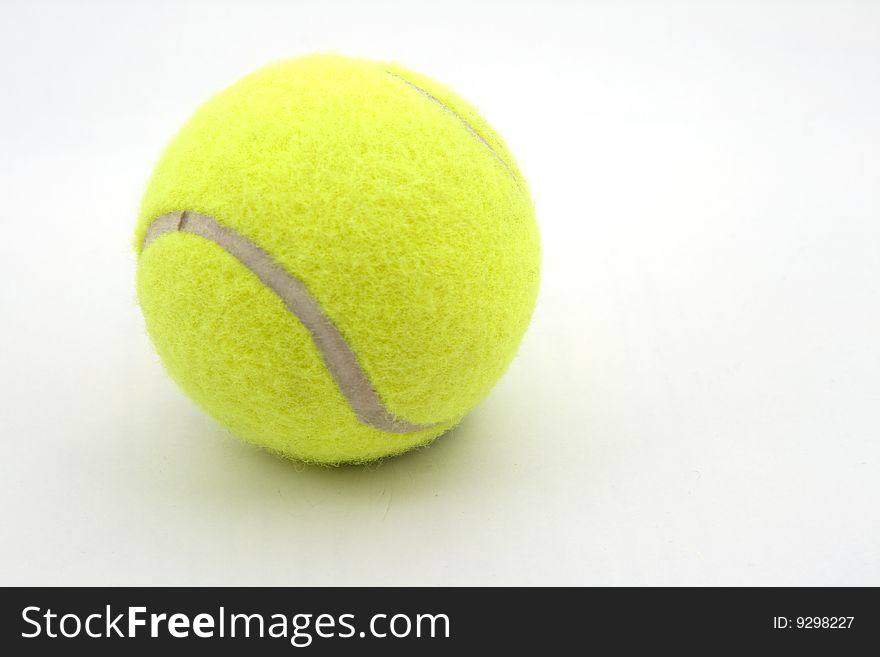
{"type": "Point", "coordinates": [433, 621]}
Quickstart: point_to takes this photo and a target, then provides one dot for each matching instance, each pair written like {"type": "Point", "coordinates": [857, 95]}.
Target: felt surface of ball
{"type": "Point", "coordinates": [337, 258]}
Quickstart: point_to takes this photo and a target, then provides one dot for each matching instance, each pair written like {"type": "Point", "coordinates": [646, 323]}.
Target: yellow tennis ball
{"type": "Point", "coordinates": [337, 258]}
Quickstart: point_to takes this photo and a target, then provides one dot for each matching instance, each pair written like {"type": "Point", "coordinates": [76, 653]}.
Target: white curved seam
{"type": "Point", "coordinates": [427, 94]}
{"type": "Point", "coordinates": [337, 355]}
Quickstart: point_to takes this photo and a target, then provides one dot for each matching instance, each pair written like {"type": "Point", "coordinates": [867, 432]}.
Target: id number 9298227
{"type": "Point", "coordinates": [813, 622]}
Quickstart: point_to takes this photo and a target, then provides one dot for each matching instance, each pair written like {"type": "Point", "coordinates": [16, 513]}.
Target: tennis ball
{"type": "Point", "coordinates": [337, 258]}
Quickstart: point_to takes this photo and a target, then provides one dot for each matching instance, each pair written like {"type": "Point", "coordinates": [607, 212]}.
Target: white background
{"type": "Point", "coordinates": [697, 400]}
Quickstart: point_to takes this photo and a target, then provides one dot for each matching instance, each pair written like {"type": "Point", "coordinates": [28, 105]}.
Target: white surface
{"type": "Point", "coordinates": [696, 402]}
